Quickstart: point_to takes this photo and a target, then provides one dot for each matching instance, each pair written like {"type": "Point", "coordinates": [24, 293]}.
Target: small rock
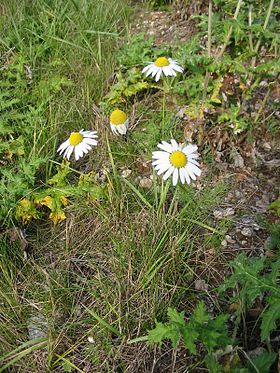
{"type": "Point", "coordinates": [146, 183]}
{"type": "Point", "coordinates": [37, 327]}
{"type": "Point", "coordinates": [229, 239]}
{"type": "Point", "coordinates": [220, 214]}
{"type": "Point", "coordinates": [238, 161]}
{"type": "Point", "coordinates": [263, 83]}
{"type": "Point", "coordinates": [201, 285]}
{"type": "Point", "coordinates": [237, 193]}
{"type": "Point", "coordinates": [224, 243]}
{"type": "Point", "coordinates": [229, 211]}
{"type": "Point", "coordinates": [256, 352]}
{"type": "Point", "coordinates": [266, 146]}
{"type": "Point", "coordinates": [125, 173]}
{"type": "Point", "coordinates": [91, 339]}
{"type": "Point", "coordinates": [247, 232]}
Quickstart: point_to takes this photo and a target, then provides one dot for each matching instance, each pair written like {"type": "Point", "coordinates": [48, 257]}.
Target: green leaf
{"type": "Point", "coordinates": [176, 317]}
{"type": "Point", "coordinates": [190, 336]}
{"type": "Point", "coordinates": [269, 318]}
{"type": "Point", "coordinates": [262, 362]}
{"type": "Point", "coordinates": [212, 364]}
{"type": "Point", "coordinates": [276, 206]}
{"type": "Point", "coordinates": [199, 316]}
{"type": "Point", "coordinates": [162, 332]}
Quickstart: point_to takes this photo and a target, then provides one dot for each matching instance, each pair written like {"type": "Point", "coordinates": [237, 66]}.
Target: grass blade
{"type": "Point", "coordinates": [103, 322]}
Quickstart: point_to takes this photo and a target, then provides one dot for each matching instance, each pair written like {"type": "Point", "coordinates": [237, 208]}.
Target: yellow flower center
{"type": "Point", "coordinates": [117, 117]}
{"type": "Point", "coordinates": [178, 159]}
{"type": "Point", "coordinates": [161, 62]}
{"type": "Point", "coordinates": [75, 138]}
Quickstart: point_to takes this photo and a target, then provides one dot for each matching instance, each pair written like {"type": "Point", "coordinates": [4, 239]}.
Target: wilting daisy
{"type": "Point", "coordinates": [119, 122]}
{"type": "Point", "coordinates": [178, 161]}
{"type": "Point", "coordinates": [79, 142]}
{"type": "Point", "coordinates": [162, 65]}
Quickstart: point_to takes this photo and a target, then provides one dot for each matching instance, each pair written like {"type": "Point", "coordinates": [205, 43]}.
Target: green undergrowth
{"type": "Point", "coordinates": [114, 269]}
{"type": "Point", "coordinates": [55, 59]}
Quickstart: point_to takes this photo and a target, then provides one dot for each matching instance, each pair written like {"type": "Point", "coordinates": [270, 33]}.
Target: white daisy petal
{"type": "Point", "coordinates": [89, 141]}
{"type": "Point", "coordinates": [193, 161]}
{"type": "Point", "coordinates": [163, 168]}
{"type": "Point", "coordinates": [182, 175]}
{"type": "Point", "coordinates": [189, 149]}
{"type": "Point", "coordinates": [76, 153]}
{"type": "Point", "coordinates": [167, 71]}
{"type": "Point", "coordinates": [187, 177]}
{"type": "Point", "coordinates": [150, 70]}
{"type": "Point", "coordinates": [174, 144]}
{"type": "Point", "coordinates": [121, 128]}
{"type": "Point", "coordinates": [158, 75]}
{"type": "Point", "coordinates": [194, 169]}
{"type": "Point", "coordinates": [146, 68]}
{"type": "Point", "coordinates": [165, 146]}
{"type": "Point", "coordinates": [168, 173]}
{"type": "Point", "coordinates": [69, 152]}
{"type": "Point", "coordinates": [161, 162]}
{"type": "Point", "coordinates": [193, 156]}
{"type": "Point", "coordinates": [175, 177]}
{"type": "Point", "coordinates": [88, 133]}
{"type": "Point", "coordinates": [63, 146]}
{"type": "Point", "coordinates": [177, 68]}
{"type": "Point", "coordinates": [160, 154]}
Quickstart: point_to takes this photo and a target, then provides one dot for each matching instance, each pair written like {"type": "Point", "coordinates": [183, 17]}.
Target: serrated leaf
{"type": "Point", "coordinates": [212, 364]}
{"type": "Point", "coordinates": [162, 332]}
{"type": "Point", "coordinates": [190, 336]}
{"type": "Point", "coordinates": [26, 211]}
{"type": "Point", "coordinates": [59, 179]}
{"type": "Point", "coordinates": [269, 318]}
{"type": "Point", "coordinates": [262, 362]}
{"type": "Point", "coordinates": [276, 206]}
{"type": "Point", "coordinates": [200, 316]}
{"type": "Point", "coordinates": [176, 317]}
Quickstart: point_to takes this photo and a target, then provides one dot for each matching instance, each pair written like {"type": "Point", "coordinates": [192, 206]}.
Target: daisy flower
{"type": "Point", "coordinates": [119, 122]}
{"type": "Point", "coordinates": [79, 142]}
{"type": "Point", "coordinates": [177, 160]}
{"type": "Point", "coordinates": [162, 65]}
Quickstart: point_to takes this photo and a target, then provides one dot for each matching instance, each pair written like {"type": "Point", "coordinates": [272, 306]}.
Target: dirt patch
{"type": "Point", "coordinates": [164, 27]}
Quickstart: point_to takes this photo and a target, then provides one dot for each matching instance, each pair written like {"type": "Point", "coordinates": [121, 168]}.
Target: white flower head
{"type": "Point", "coordinates": [162, 65]}
{"type": "Point", "coordinates": [79, 142]}
{"type": "Point", "coordinates": [119, 122]}
{"type": "Point", "coordinates": [180, 161]}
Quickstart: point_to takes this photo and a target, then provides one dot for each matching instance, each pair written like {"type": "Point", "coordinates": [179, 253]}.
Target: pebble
{"type": "Point", "coordinates": [201, 285]}
{"type": "Point", "coordinates": [247, 232]}
{"type": "Point", "coordinates": [238, 161]}
{"type": "Point", "coordinates": [229, 239]}
{"type": "Point", "coordinates": [91, 339]}
{"type": "Point", "coordinates": [224, 243]}
{"type": "Point", "coordinates": [220, 214]}
{"type": "Point", "coordinates": [146, 183]}
{"type": "Point", "coordinates": [125, 173]}
{"type": "Point", "coordinates": [37, 326]}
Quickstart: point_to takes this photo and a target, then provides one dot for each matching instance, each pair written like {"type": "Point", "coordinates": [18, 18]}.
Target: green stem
{"type": "Point", "coordinates": [207, 76]}
{"type": "Point", "coordinates": [250, 25]}
{"type": "Point", "coordinates": [230, 31]}
{"type": "Point", "coordinates": [163, 108]}
{"type": "Point", "coordinates": [264, 28]}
